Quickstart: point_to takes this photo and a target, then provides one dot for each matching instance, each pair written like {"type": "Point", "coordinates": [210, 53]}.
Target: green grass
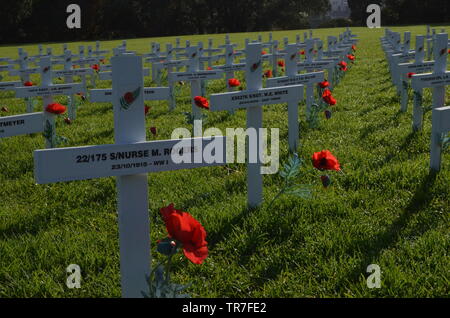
{"type": "Point", "coordinates": [386, 208]}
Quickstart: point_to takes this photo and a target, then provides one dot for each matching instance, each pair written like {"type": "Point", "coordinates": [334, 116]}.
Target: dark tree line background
{"type": "Point", "coordinates": [45, 20]}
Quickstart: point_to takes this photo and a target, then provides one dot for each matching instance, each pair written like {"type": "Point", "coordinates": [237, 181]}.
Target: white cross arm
{"type": "Point", "coordinates": [75, 72]}
{"type": "Point", "coordinates": [192, 76]}
{"type": "Point", "coordinates": [421, 81]}
{"type": "Point", "coordinates": [4, 68]}
{"type": "Point", "coordinates": [150, 93]}
{"type": "Point", "coordinates": [6, 86]}
{"type": "Point", "coordinates": [416, 67]}
{"type": "Point", "coordinates": [441, 119]}
{"type": "Point", "coordinates": [316, 64]}
{"type": "Point", "coordinates": [21, 124]}
{"type": "Point", "coordinates": [82, 163]}
{"type": "Point", "coordinates": [89, 60]}
{"type": "Point", "coordinates": [104, 76]}
{"type": "Point", "coordinates": [63, 89]}
{"type": "Point", "coordinates": [231, 68]}
{"type": "Point", "coordinates": [24, 72]}
{"type": "Point", "coordinates": [265, 96]}
{"type": "Point", "coordinates": [211, 58]}
{"type": "Point", "coordinates": [300, 79]}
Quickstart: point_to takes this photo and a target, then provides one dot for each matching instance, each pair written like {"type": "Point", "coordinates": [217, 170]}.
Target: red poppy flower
{"type": "Point", "coordinates": [315, 51]}
{"type": "Point", "coordinates": [234, 82]}
{"type": "Point", "coordinates": [153, 130]}
{"type": "Point", "coordinates": [324, 160]}
{"type": "Point", "coordinates": [343, 66]}
{"type": "Point", "coordinates": [28, 83]}
{"type": "Point", "coordinates": [302, 52]}
{"type": "Point", "coordinates": [209, 68]}
{"type": "Point", "coordinates": [95, 67]}
{"type": "Point", "coordinates": [263, 53]}
{"type": "Point", "coordinates": [449, 51]}
{"type": "Point", "coordinates": [55, 108]}
{"type": "Point", "coordinates": [182, 227]}
{"type": "Point", "coordinates": [128, 97]}
{"type": "Point", "coordinates": [268, 73]}
{"type": "Point", "coordinates": [351, 57]}
{"type": "Point", "coordinates": [328, 98]}
{"type": "Point", "coordinates": [324, 84]}
{"type": "Point", "coordinates": [146, 109]}
{"type": "Point", "coordinates": [201, 102]}
{"type": "Point", "coordinates": [281, 63]}
{"type": "Point", "coordinates": [353, 48]}
{"type": "Point", "coordinates": [410, 75]}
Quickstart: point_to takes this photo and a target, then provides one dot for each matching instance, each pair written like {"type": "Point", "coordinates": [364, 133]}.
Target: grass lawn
{"type": "Point", "coordinates": [385, 208]}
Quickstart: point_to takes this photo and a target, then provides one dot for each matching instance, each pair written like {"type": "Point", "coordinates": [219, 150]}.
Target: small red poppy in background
{"type": "Point", "coordinates": [324, 160]}
{"type": "Point", "coordinates": [302, 52]}
{"type": "Point", "coordinates": [5, 109]}
{"type": "Point", "coordinates": [351, 57]}
{"type": "Point", "coordinates": [234, 82]}
{"type": "Point", "coordinates": [201, 102]}
{"type": "Point", "coordinates": [449, 51]}
{"type": "Point", "coordinates": [95, 67]}
{"type": "Point", "coordinates": [184, 228]}
{"type": "Point", "coordinates": [55, 108]}
{"type": "Point", "coordinates": [146, 109]}
{"type": "Point", "coordinates": [353, 48]}
{"type": "Point", "coordinates": [410, 74]}
{"type": "Point", "coordinates": [328, 97]}
{"type": "Point", "coordinates": [268, 73]}
{"type": "Point", "coordinates": [263, 53]}
{"type": "Point", "coordinates": [209, 68]}
{"type": "Point", "coordinates": [153, 130]}
{"type": "Point", "coordinates": [324, 84]}
{"type": "Point", "coordinates": [343, 66]}
{"type": "Point", "coordinates": [280, 63]}
{"type": "Point", "coordinates": [28, 83]}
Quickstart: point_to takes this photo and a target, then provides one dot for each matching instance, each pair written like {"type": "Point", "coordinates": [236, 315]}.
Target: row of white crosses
{"type": "Point", "coordinates": [40, 121]}
{"type": "Point", "coordinates": [130, 159]}
{"type": "Point", "coordinates": [438, 80]}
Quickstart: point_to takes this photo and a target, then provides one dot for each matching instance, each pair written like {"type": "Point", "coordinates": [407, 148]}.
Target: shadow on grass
{"type": "Point", "coordinates": [372, 248]}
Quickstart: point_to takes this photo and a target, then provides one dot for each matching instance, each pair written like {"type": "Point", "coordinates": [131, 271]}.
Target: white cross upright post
{"type": "Point", "coordinates": [194, 76]}
{"type": "Point", "coordinates": [293, 78]}
{"type": "Point", "coordinates": [275, 56]}
{"type": "Point", "coordinates": [419, 66]}
{"type": "Point", "coordinates": [47, 90]}
{"type": "Point", "coordinates": [68, 78]}
{"type": "Point", "coordinates": [403, 57]}
{"type": "Point", "coordinates": [252, 100]}
{"type": "Point", "coordinates": [438, 80]}
{"type": "Point", "coordinates": [81, 56]}
{"type": "Point", "coordinates": [130, 159]}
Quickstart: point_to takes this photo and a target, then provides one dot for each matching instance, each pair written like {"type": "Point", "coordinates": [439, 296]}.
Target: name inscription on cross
{"type": "Point", "coordinates": [438, 80]}
{"type": "Point", "coordinates": [252, 100]}
{"type": "Point", "coordinates": [130, 159]}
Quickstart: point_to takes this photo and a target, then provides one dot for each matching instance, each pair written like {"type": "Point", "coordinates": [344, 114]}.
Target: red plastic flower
{"type": "Point", "coordinates": [55, 108]}
{"type": "Point", "coordinates": [182, 227]}
{"type": "Point", "coordinates": [324, 160]}
{"type": "Point", "coordinates": [351, 57]}
{"type": "Point", "coordinates": [324, 84]}
{"type": "Point", "coordinates": [153, 130]}
{"type": "Point", "coordinates": [268, 73]}
{"type": "Point", "coordinates": [281, 63]}
{"type": "Point", "coordinates": [28, 83]}
{"type": "Point", "coordinates": [201, 102]}
{"type": "Point", "coordinates": [343, 66]}
{"type": "Point", "coordinates": [302, 52]}
{"type": "Point", "coordinates": [129, 98]}
{"type": "Point", "coordinates": [410, 74]}
{"type": "Point", "coordinates": [209, 68]}
{"type": "Point", "coordinates": [328, 98]}
{"type": "Point", "coordinates": [95, 67]}
{"type": "Point", "coordinates": [263, 53]}
{"type": "Point", "coordinates": [353, 48]}
{"type": "Point", "coordinates": [234, 82]}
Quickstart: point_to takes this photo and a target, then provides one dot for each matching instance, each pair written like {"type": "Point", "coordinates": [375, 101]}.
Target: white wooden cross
{"type": "Point", "coordinates": [438, 80]}
{"type": "Point", "coordinates": [310, 66]}
{"type": "Point", "coordinates": [130, 159]}
{"type": "Point", "coordinates": [399, 58]}
{"type": "Point", "coordinates": [42, 121]}
{"type": "Point", "coordinates": [194, 76]}
{"type": "Point", "coordinates": [293, 78]}
{"type": "Point", "coordinates": [229, 67]}
{"type": "Point", "coordinates": [419, 66]}
{"type": "Point", "coordinates": [252, 99]}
